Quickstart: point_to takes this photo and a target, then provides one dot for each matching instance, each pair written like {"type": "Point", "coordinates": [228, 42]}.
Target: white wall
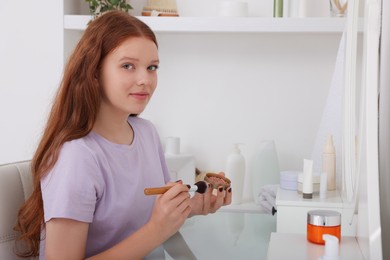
{"type": "Point", "coordinates": [214, 89]}
{"type": "Point", "coordinates": [30, 66]}
{"type": "Point", "coordinates": [218, 89]}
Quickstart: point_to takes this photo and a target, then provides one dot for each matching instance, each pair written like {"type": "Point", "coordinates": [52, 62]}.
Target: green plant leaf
{"type": "Point", "coordinates": [114, 2]}
{"type": "Point", "coordinates": [98, 7]}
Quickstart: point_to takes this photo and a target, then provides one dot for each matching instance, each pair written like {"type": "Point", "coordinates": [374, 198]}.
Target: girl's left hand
{"type": "Point", "coordinates": [206, 203]}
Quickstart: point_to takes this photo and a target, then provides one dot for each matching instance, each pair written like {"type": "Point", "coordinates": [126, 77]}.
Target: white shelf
{"type": "Point", "coordinates": [292, 198]}
{"type": "Point", "coordinates": [227, 24]}
{"type": "Point", "coordinates": [245, 207]}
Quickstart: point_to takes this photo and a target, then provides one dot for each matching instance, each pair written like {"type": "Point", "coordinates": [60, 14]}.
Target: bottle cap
{"type": "Point", "coordinates": [324, 218]}
{"type": "Point", "coordinates": [331, 247]}
{"type": "Point", "coordinates": [236, 148]}
{"type": "Point", "coordinates": [329, 147]}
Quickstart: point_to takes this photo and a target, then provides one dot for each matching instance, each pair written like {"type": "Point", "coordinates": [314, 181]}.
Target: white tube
{"type": "Point", "coordinates": [307, 185]}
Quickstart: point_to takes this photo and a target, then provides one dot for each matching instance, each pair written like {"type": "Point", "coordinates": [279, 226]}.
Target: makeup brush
{"type": "Point", "coordinates": [199, 186]}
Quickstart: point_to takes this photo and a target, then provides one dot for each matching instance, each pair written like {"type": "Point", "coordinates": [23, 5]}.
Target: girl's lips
{"type": "Point", "coordinates": [140, 96]}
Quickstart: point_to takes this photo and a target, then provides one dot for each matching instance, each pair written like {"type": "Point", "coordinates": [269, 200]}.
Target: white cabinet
{"type": "Point", "coordinates": [292, 211]}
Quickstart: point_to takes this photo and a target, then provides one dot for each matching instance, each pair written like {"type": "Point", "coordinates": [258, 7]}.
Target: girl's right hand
{"type": "Point", "coordinates": [170, 210]}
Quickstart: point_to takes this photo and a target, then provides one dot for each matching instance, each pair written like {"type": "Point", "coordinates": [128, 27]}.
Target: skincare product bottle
{"type": "Point", "coordinates": [329, 162]}
{"type": "Point", "coordinates": [302, 8]}
{"type": "Point", "coordinates": [307, 187]}
{"type": "Point", "coordinates": [278, 8]}
{"type": "Point", "coordinates": [235, 171]}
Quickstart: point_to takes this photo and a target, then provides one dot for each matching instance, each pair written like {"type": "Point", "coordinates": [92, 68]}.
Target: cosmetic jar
{"type": "Point", "coordinates": [289, 180]}
{"type": "Point", "coordinates": [233, 8]}
{"type": "Point", "coordinates": [320, 222]}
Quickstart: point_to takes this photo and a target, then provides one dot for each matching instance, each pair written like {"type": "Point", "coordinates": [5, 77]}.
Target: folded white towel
{"type": "Point", "coordinates": [269, 188]}
{"type": "Point", "coordinates": [267, 197]}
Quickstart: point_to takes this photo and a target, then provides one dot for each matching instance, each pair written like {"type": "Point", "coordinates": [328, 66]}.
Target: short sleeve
{"type": "Point", "coordinates": [72, 188]}
{"type": "Point", "coordinates": [167, 176]}
{"type": "Point", "coordinates": [156, 137]}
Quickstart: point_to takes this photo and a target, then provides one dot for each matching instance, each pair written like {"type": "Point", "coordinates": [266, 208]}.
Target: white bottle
{"type": "Point", "coordinates": [323, 185]}
{"type": "Point", "coordinates": [235, 171]}
{"type": "Point", "coordinates": [329, 162]}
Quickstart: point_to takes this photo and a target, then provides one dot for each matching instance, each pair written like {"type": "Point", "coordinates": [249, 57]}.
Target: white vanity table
{"type": "Point", "coordinates": [238, 235]}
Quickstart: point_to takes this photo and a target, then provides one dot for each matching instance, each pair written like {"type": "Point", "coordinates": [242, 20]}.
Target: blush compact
{"type": "Point", "coordinates": [217, 180]}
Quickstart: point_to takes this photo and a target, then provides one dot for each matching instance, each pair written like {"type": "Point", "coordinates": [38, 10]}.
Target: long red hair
{"type": "Point", "coordinates": [74, 110]}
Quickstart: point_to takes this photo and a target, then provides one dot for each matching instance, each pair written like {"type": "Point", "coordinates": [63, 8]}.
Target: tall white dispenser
{"type": "Point", "coordinates": [329, 162]}
{"type": "Point", "coordinates": [235, 171]}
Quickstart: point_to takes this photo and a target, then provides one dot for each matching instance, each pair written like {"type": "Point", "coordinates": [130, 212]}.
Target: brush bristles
{"type": "Point", "coordinates": [202, 187]}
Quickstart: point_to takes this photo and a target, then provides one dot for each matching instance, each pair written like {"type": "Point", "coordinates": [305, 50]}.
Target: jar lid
{"type": "Point", "coordinates": [289, 175]}
{"type": "Point", "coordinates": [325, 218]}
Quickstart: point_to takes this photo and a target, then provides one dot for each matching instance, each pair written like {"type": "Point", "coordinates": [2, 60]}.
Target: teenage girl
{"type": "Point", "coordinates": [97, 155]}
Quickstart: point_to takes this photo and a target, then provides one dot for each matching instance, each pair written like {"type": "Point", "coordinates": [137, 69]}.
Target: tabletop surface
{"type": "Point", "coordinates": [296, 246]}
{"type": "Point", "coordinates": [223, 235]}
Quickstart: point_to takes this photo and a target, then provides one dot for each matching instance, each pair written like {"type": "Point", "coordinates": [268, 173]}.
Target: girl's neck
{"type": "Point", "coordinates": [114, 128]}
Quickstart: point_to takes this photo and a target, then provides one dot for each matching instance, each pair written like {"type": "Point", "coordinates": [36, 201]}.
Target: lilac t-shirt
{"type": "Point", "coordinates": [102, 183]}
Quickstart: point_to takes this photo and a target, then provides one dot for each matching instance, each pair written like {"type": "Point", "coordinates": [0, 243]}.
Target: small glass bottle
{"type": "Point", "coordinates": [320, 222]}
{"type": "Point", "coordinates": [278, 8]}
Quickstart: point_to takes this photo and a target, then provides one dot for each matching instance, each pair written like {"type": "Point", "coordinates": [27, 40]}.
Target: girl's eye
{"type": "Point", "coordinates": [153, 67]}
{"type": "Point", "coordinates": [128, 66]}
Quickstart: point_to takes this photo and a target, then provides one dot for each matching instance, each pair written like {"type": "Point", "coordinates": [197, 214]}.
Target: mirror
{"type": "Point", "coordinates": [352, 106]}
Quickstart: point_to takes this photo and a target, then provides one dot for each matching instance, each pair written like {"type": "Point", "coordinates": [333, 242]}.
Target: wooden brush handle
{"type": "Point", "coordinates": [155, 191]}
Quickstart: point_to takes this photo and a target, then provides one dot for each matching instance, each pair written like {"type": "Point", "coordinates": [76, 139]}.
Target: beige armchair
{"type": "Point", "coordinates": [15, 188]}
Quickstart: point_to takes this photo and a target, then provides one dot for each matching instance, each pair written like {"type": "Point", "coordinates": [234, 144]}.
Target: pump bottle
{"type": "Point", "coordinates": [329, 163]}
{"type": "Point", "coordinates": [235, 171]}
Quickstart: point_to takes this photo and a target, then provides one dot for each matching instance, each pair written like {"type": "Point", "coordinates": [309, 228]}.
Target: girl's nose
{"type": "Point", "coordinates": [143, 79]}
